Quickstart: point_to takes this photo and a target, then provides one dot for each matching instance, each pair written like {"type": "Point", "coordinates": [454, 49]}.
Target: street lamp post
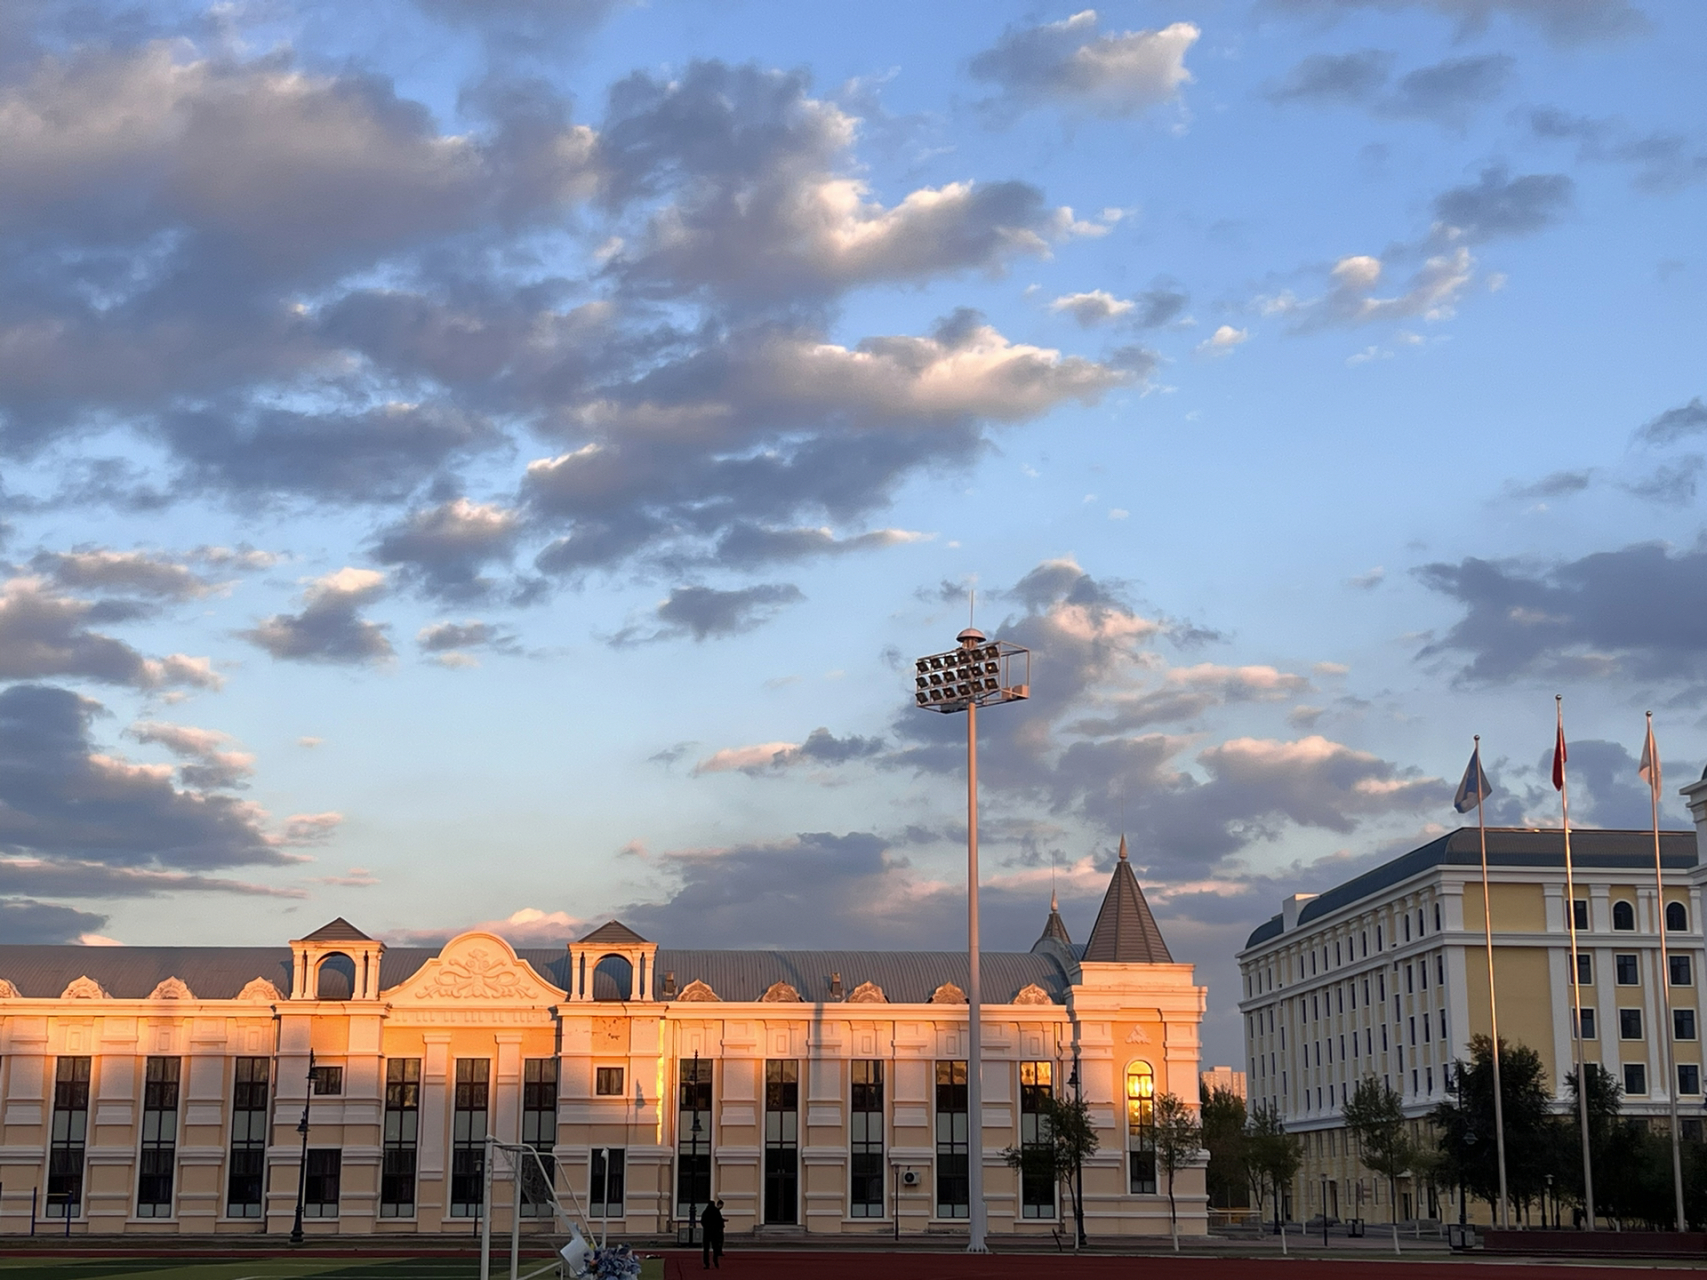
{"type": "Point", "coordinates": [302, 1165]}
{"type": "Point", "coordinates": [980, 673]}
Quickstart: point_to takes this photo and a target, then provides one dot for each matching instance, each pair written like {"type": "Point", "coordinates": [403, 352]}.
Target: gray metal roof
{"type": "Point", "coordinates": [339, 930]}
{"type": "Point", "coordinates": [1125, 931]}
{"type": "Point", "coordinates": [131, 973]}
{"type": "Point", "coordinates": [907, 977]}
{"type": "Point", "coordinates": [614, 931]}
{"type": "Point", "coordinates": [1541, 847]}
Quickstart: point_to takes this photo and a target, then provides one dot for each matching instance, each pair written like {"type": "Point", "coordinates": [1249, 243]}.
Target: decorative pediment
{"type": "Point", "coordinates": [780, 993]}
{"type": "Point", "coordinates": [697, 991]}
{"type": "Point", "coordinates": [480, 967]}
{"type": "Point", "coordinates": [948, 993]}
{"type": "Point", "coordinates": [1137, 1036]}
{"type": "Point", "coordinates": [867, 993]}
{"type": "Point", "coordinates": [260, 991]}
{"type": "Point", "coordinates": [8, 991]}
{"type": "Point", "coordinates": [84, 988]}
{"type": "Point", "coordinates": [172, 989]}
{"type": "Point", "coordinates": [1031, 993]}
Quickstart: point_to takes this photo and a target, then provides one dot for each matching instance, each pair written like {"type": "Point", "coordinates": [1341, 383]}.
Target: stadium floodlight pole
{"type": "Point", "coordinates": [980, 673]}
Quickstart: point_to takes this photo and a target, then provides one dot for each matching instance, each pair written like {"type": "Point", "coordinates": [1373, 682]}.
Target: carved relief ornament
{"type": "Point", "coordinates": [84, 988]}
{"type": "Point", "coordinates": [1031, 993]}
{"type": "Point", "coordinates": [698, 992]}
{"type": "Point", "coordinates": [172, 989]}
{"type": "Point", "coordinates": [476, 974]}
{"type": "Point", "coordinates": [948, 993]}
{"type": "Point", "coordinates": [260, 991]}
{"type": "Point", "coordinates": [867, 993]}
{"type": "Point", "coordinates": [8, 991]}
{"type": "Point", "coordinates": [780, 993]}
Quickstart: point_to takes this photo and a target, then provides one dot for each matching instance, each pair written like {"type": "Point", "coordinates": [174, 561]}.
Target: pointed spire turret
{"type": "Point", "coordinates": [1125, 931]}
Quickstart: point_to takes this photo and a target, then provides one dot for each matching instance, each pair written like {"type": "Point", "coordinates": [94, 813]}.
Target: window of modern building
{"type": "Point", "coordinates": [159, 1154]}
{"type": "Point", "coordinates": [1624, 966]}
{"type": "Point", "coordinates": [1443, 1024]}
{"type": "Point", "coordinates": [606, 1175]}
{"type": "Point", "coordinates": [539, 1131]}
{"type": "Point", "coordinates": [326, 1081]}
{"type": "Point", "coordinates": [1407, 926]}
{"type": "Point", "coordinates": [607, 1082]}
{"type": "Point", "coordinates": [1629, 1024]}
{"type": "Point", "coordinates": [1378, 937]}
{"type": "Point", "coordinates": [1688, 1078]}
{"type": "Point", "coordinates": [1363, 938]}
{"type": "Point", "coordinates": [246, 1175]}
{"type": "Point", "coordinates": [1588, 1028]}
{"type": "Point", "coordinates": [1624, 916]}
{"type": "Point", "coordinates": [1681, 974]}
{"type": "Point", "coordinates": [1585, 969]}
{"type": "Point", "coordinates": [1141, 1128]}
{"type": "Point", "coordinates": [68, 1138]}
{"type": "Point", "coordinates": [952, 1190]}
{"type": "Point", "coordinates": [1635, 1078]}
{"type": "Point", "coordinates": [865, 1119]}
{"type": "Point", "coordinates": [1683, 1024]}
{"type": "Point", "coordinates": [1036, 1087]}
{"type": "Point", "coordinates": [1579, 912]}
{"type": "Point", "coordinates": [1422, 967]}
{"type": "Point", "coordinates": [468, 1136]}
{"type": "Point", "coordinates": [782, 1141]}
{"type": "Point", "coordinates": [402, 1135]}
{"type": "Point", "coordinates": [693, 1138]}
{"type": "Point", "coordinates": [320, 1186]}
{"type": "Point", "coordinates": [1677, 918]}
{"type": "Point", "coordinates": [1440, 970]}
{"type": "Point", "coordinates": [1381, 986]}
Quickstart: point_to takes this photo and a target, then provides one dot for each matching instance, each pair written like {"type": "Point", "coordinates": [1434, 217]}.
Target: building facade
{"type": "Point", "coordinates": [1386, 976]}
{"type": "Point", "coordinates": [161, 1089]}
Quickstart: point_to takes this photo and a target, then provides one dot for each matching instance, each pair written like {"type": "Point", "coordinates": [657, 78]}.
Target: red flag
{"type": "Point", "coordinates": [1559, 756]}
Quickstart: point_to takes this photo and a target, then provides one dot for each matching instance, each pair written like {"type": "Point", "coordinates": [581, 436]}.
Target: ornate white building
{"type": "Point", "coordinates": [160, 1089]}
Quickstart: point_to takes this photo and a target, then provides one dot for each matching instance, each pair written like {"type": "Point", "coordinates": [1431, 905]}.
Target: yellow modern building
{"type": "Point", "coordinates": [161, 1089]}
{"type": "Point", "coordinates": [1386, 975]}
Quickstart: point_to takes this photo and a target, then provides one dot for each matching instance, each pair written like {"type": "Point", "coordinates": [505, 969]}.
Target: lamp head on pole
{"type": "Point", "coordinates": [980, 672]}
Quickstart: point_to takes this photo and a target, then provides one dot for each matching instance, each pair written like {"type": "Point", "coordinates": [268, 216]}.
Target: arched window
{"type": "Point", "coordinates": [1623, 917]}
{"type": "Point", "coordinates": [1141, 1129]}
{"type": "Point", "coordinates": [613, 979]}
{"type": "Point", "coordinates": [1677, 918]}
{"type": "Point", "coordinates": [336, 978]}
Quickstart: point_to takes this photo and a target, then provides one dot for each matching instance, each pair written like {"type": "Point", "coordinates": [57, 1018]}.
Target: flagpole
{"type": "Point", "coordinates": [1651, 759]}
{"type": "Point", "coordinates": [1493, 998]}
{"type": "Point", "coordinates": [1559, 780]}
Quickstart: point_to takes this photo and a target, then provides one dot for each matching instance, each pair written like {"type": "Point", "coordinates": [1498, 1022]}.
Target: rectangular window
{"type": "Point", "coordinates": [1443, 1024]}
{"type": "Point", "coordinates": [320, 1187]}
{"type": "Point", "coordinates": [1423, 966]}
{"type": "Point", "coordinates": [1635, 1078]}
{"type": "Point", "coordinates": [952, 1191]}
{"type": "Point", "coordinates": [782, 1141]}
{"type": "Point", "coordinates": [1628, 975]}
{"type": "Point", "coordinates": [693, 1139]}
{"type": "Point", "coordinates": [607, 1082]}
{"type": "Point", "coordinates": [605, 1188]}
{"type": "Point", "coordinates": [328, 1082]}
{"type": "Point", "coordinates": [1440, 970]}
{"type": "Point", "coordinates": [1588, 1024]}
{"type": "Point", "coordinates": [1680, 971]}
{"type": "Point", "coordinates": [1683, 1024]}
{"type": "Point", "coordinates": [865, 1117]}
{"type": "Point", "coordinates": [1410, 979]}
{"type": "Point", "coordinates": [159, 1154]}
{"type": "Point", "coordinates": [1688, 1078]}
{"type": "Point", "coordinates": [69, 1136]}
{"type": "Point", "coordinates": [539, 1131]}
{"type": "Point", "coordinates": [1141, 1130]}
{"type": "Point", "coordinates": [1629, 1024]}
{"type": "Point", "coordinates": [1381, 986]}
{"type": "Point", "coordinates": [468, 1136]}
{"type": "Point", "coordinates": [1037, 1187]}
{"type": "Point", "coordinates": [1579, 909]}
{"type": "Point", "coordinates": [246, 1177]}
{"type": "Point", "coordinates": [1585, 969]}
{"type": "Point", "coordinates": [402, 1137]}
{"type": "Point", "coordinates": [1378, 945]}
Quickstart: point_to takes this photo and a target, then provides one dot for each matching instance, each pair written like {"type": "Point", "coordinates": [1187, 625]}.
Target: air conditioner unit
{"type": "Point", "coordinates": [910, 1178]}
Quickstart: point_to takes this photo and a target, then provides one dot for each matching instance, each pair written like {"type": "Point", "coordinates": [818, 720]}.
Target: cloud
{"type": "Point", "coordinates": [821, 747]}
{"type": "Point", "coordinates": [1499, 205]}
{"type": "Point", "coordinates": [1676, 424]}
{"type": "Point", "coordinates": [444, 547]}
{"type": "Point", "coordinates": [1369, 581]}
{"type": "Point", "coordinates": [1446, 92]}
{"type": "Point", "coordinates": [330, 627]}
{"type": "Point", "coordinates": [707, 613]}
{"type": "Point", "coordinates": [528, 927]}
{"type": "Point", "coordinates": [1335, 78]}
{"type": "Point", "coordinates": [1555, 484]}
{"type": "Point", "coordinates": [1631, 611]}
{"type": "Point", "coordinates": [1565, 22]}
{"type": "Point", "coordinates": [211, 763]}
{"type": "Point", "coordinates": [25, 921]}
{"type": "Point", "coordinates": [1068, 62]}
{"type": "Point", "coordinates": [1432, 292]}
{"type": "Point", "coordinates": [356, 878]}
{"type": "Point", "coordinates": [1185, 693]}
{"type": "Point", "coordinates": [1662, 161]}
{"type": "Point", "coordinates": [448, 643]}
{"type": "Point", "coordinates": [43, 633]}
{"type": "Point", "coordinates": [750, 545]}
{"type": "Point", "coordinates": [1096, 307]}
{"type": "Point", "coordinates": [127, 572]}
{"type": "Point", "coordinates": [1672, 484]}
{"type": "Point", "coordinates": [1223, 340]}
{"type": "Point", "coordinates": [1149, 310]}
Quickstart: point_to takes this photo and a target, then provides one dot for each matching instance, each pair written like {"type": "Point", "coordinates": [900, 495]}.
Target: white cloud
{"type": "Point", "coordinates": [1223, 340]}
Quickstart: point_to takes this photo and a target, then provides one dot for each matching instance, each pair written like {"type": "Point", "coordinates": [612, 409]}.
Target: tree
{"type": "Point", "coordinates": [1228, 1176]}
{"type": "Point", "coordinates": [1377, 1120]}
{"type": "Point", "coordinates": [1271, 1154]}
{"type": "Point", "coordinates": [1179, 1137]}
{"type": "Point", "coordinates": [1067, 1140]}
{"type": "Point", "coordinates": [1605, 1100]}
{"type": "Point", "coordinates": [1465, 1124]}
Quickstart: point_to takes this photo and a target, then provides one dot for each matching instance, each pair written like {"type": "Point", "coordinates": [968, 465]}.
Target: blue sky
{"type": "Point", "coordinates": [492, 462]}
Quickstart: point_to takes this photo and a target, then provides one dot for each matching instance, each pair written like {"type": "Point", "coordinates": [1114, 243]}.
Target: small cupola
{"type": "Point", "coordinates": [612, 963]}
{"type": "Point", "coordinates": [335, 962]}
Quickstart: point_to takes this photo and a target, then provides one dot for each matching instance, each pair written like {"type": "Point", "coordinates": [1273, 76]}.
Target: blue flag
{"type": "Point", "coordinates": [1474, 788]}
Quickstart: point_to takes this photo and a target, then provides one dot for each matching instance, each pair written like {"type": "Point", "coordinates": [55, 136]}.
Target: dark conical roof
{"type": "Point", "coordinates": [1055, 928]}
{"type": "Point", "coordinates": [339, 930]}
{"type": "Point", "coordinates": [613, 932]}
{"type": "Point", "coordinates": [1125, 931]}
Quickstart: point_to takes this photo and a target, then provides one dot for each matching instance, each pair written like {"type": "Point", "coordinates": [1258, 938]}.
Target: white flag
{"type": "Point", "coordinates": [1650, 770]}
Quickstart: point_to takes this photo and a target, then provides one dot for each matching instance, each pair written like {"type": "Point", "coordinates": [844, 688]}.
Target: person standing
{"type": "Point", "coordinates": [711, 1235]}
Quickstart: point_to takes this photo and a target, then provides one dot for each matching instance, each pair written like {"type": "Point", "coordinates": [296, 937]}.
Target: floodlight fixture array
{"type": "Point", "coordinates": [979, 673]}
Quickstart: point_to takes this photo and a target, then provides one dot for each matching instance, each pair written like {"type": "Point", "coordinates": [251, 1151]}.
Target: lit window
{"type": "Point", "coordinates": [607, 1082]}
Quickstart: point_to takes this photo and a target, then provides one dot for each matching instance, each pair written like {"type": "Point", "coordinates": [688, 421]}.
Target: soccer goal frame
{"type": "Point", "coordinates": [520, 1156]}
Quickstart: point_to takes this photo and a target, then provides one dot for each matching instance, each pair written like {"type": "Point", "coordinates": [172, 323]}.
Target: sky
{"type": "Point", "coordinates": [493, 462]}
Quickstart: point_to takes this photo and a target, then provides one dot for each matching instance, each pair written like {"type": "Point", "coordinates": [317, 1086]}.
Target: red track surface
{"type": "Point", "coordinates": [959, 1266]}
